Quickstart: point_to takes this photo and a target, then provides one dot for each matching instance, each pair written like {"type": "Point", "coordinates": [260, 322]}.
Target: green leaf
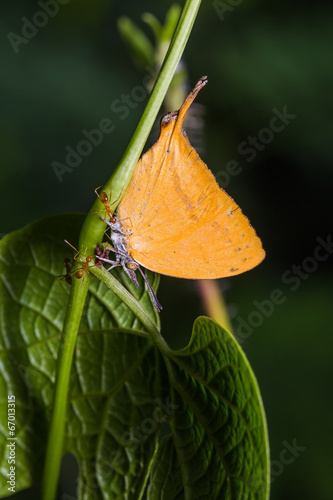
{"type": "Point", "coordinates": [171, 20]}
{"type": "Point", "coordinates": [138, 43]}
{"type": "Point", "coordinates": [218, 448]}
{"type": "Point", "coordinates": [154, 24]}
{"type": "Point", "coordinates": [114, 380]}
{"type": "Point", "coordinates": [122, 394]}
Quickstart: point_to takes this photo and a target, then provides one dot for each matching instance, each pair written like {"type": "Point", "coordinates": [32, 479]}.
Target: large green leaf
{"type": "Point", "coordinates": [114, 382]}
{"type": "Point", "coordinates": [218, 448]}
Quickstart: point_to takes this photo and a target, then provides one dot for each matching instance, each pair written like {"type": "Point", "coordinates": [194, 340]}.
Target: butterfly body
{"type": "Point", "coordinates": [123, 258]}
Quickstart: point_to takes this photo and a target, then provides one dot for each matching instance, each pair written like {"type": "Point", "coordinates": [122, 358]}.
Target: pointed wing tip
{"type": "Point", "coordinates": [200, 84]}
{"type": "Point", "coordinates": [202, 81]}
{"type": "Point", "coordinates": [188, 101]}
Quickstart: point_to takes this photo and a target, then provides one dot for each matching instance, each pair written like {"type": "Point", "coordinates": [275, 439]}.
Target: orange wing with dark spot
{"type": "Point", "coordinates": [178, 220]}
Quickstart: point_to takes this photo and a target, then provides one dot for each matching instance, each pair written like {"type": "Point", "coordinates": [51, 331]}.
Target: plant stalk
{"type": "Point", "coordinates": [54, 449]}
{"type": "Point", "coordinates": [92, 233]}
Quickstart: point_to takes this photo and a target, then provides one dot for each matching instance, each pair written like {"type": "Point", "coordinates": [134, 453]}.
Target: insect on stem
{"type": "Point", "coordinates": [104, 199]}
{"type": "Point", "coordinates": [79, 273]}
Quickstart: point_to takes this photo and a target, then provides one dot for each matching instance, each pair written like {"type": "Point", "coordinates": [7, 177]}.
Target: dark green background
{"type": "Point", "coordinates": [262, 55]}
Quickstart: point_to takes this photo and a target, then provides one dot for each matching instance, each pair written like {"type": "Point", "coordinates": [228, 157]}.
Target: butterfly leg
{"type": "Point", "coordinates": [114, 263]}
{"type": "Point", "coordinates": [130, 268]}
{"type": "Point", "coordinates": [131, 274]}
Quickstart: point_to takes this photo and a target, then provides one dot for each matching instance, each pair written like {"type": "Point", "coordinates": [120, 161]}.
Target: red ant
{"type": "Point", "coordinates": [79, 273]}
{"type": "Point", "coordinates": [104, 199]}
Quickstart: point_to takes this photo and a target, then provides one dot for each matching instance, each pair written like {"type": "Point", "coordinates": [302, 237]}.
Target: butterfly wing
{"type": "Point", "coordinates": [181, 223]}
{"type": "Point", "coordinates": [177, 219]}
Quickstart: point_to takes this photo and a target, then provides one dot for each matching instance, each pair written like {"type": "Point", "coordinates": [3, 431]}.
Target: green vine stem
{"type": "Point", "coordinates": [92, 233]}
{"type": "Point", "coordinates": [93, 228]}
{"type": "Point", "coordinates": [126, 297]}
{"type": "Point", "coordinates": [134, 305]}
{"type": "Point", "coordinates": [54, 448]}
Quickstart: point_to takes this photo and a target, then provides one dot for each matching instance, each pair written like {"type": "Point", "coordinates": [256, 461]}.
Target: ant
{"type": "Point", "coordinates": [79, 273]}
{"type": "Point", "coordinates": [67, 276]}
{"type": "Point", "coordinates": [104, 199]}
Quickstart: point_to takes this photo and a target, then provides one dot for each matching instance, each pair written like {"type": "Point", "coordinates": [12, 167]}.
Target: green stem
{"type": "Point", "coordinates": [92, 233]}
{"type": "Point", "coordinates": [54, 448]}
{"type": "Point", "coordinates": [93, 227]}
{"type": "Point", "coordinates": [134, 305]}
{"type": "Point", "coordinates": [126, 297]}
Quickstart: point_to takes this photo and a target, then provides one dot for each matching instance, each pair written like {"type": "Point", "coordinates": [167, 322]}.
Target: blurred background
{"type": "Point", "coordinates": [265, 125]}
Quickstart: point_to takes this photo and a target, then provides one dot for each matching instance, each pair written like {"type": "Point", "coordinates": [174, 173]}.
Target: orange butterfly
{"type": "Point", "coordinates": [174, 218]}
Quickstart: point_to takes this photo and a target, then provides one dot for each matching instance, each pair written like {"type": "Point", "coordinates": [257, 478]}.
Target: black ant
{"type": "Point", "coordinates": [67, 276]}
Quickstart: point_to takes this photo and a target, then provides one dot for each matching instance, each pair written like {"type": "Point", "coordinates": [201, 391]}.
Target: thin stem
{"type": "Point", "coordinates": [93, 228]}
{"type": "Point", "coordinates": [126, 297]}
{"type": "Point", "coordinates": [92, 233]}
{"type": "Point", "coordinates": [134, 305]}
{"type": "Point", "coordinates": [54, 448]}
